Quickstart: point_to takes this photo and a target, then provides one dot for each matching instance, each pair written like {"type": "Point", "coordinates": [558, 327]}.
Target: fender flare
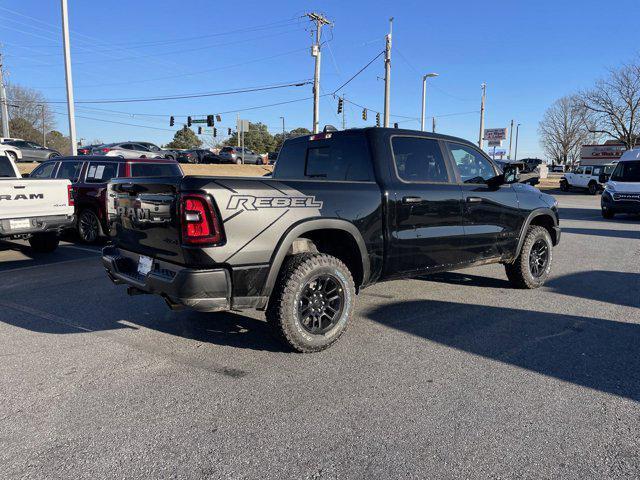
{"type": "Point", "coordinates": [525, 225]}
{"type": "Point", "coordinates": [285, 242]}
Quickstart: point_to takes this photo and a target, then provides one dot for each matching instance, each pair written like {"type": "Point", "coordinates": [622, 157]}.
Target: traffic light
{"type": "Point", "coordinates": [215, 132]}
{"type": "Point", "coordinates": [378, 119]}
{"type": "Point", "coordinates": [364, 114]}
{"type": "Point", "coordinates": [209, 120]}
{"type": "Point", "coordinates": [199, 130]}
{"type": "Point", "coordinates": [218, 118]}
{"type": "Point", "coordinates": [395, 125]}
{"type": "Point", "coordinates": [188, 121]}
{"type": "Point", "coordinates": [171, 121]}
{"type": "Point", "coordinates": [229, 131]}
{"type": "Point", "coordinates": [339, 105]}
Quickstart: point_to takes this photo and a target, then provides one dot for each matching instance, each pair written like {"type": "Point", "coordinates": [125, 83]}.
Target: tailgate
{"type": "Point", "coordinates": [143, 216]}
{"type": "Point", "coordinates": [24, 198]}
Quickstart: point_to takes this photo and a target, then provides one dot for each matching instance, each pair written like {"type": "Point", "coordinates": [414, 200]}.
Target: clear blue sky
{"type": "Point", "coordinates": [528, 53]}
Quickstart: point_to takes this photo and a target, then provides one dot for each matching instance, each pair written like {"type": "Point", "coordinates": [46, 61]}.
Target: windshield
{"type": "Point", "coordinates": [627, 172]}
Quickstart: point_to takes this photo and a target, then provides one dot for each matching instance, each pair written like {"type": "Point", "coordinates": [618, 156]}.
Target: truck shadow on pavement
{"type": "Point", "coordinates": [633, 234]}
{"type": "Point", "coordinates": [597, 285]}
{"type": "Point", "coordinates": [591, 352]}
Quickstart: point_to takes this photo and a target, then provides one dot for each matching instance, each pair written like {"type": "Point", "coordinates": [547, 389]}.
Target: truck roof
{"type": "Point", "coordinates": [630, 155]}
{"type": "Point", "coordinates": [380, 131]}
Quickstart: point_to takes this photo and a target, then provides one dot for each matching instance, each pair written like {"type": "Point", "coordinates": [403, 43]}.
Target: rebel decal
{"type": "Point", "coordinates": [250, 202]}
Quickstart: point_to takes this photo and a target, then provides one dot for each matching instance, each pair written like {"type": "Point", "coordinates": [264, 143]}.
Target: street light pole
{"type": "Point", "coordinates": [510, 138]}
{"type": "Point", "coordinates": [424, 97]}
{"type": "Point", "coordinates": [44, 131]}
{"type": "Point", "coordinates": [515, 154]}
{"type": "Point", "coordinates": [69, 79]}
{"type": "Point", "coordinates": [284, 135]}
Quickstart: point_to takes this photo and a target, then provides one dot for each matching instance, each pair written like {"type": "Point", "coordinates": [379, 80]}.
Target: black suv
{"type": "Point", "coordinates": [342, 211]}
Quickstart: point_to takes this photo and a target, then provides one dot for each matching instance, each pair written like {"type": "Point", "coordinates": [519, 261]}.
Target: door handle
{"type": "Point", "coordinates": [411, 200]}
{"type": "Point", "coordinates": [474, 199]}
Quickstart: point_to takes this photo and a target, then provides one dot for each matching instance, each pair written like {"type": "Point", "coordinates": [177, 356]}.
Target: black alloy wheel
{"type": "Point", "coordinates": [321, 304]}
{"type": "Point", "coordinates": [539, 258]}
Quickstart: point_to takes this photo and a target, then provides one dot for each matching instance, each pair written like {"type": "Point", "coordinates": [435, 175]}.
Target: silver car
{"type": "Point", "coordinates": [32, 151]}
{"type": "Point", "coordinates": [125, 150]}
{"type": "Point", "coordinates": [235, 155]}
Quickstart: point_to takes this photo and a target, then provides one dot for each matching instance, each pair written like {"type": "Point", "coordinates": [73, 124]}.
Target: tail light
{"type": "Point", "coordinates": [200, 222]}
{"type": "Point", "coordinates": [105, 150]}
{"type": "Point", "coordinates": [70, 198]}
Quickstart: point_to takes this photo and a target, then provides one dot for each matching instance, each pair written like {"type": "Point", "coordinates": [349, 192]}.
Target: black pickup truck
{"type": "Point", "coordinates": [342, 211]}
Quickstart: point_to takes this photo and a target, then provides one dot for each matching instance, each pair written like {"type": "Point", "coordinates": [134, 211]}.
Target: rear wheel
{"type": "Point", "coordinates": [238, 161]}
{"type": "Point", "coordinates": [312, 301]}
{"type": "Point", "coordinates": [88, 226]}
{"type": "Point", "coordinates": [531, 268]}
{"type": "Point", "coordinates": [564, 185]}
{"type": "Point", "coordinates": [44, 242]}
{"type": "Point", "coordinates": [593, 188]}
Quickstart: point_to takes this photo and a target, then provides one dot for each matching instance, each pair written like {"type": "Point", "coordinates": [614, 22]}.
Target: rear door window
{"type": "Point", "coordinates": [144, 169]}
{"type": "Point", "coordinates": [70, 171]}
{"type": "Point", "coordinates": [44, 171]}
{"type": "Point", "coordinates": [344, 157]}
{"type": "Point", "coordinates": [101, 172]}
{"type": "Point", "coordinates": [6, 168]}
{"type": "Point", "coordinates": [419, 160]}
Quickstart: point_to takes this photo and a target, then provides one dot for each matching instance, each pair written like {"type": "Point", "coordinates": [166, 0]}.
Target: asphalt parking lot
{"type": "Point", "coordinates": [455, 375]}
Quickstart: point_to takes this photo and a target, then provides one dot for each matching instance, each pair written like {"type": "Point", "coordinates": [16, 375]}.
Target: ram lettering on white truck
{"type": "Point", "coordinates": [33, 209]}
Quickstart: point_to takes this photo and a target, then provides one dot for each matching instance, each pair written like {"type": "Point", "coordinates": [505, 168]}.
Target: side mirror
{"type": "Point", "coordinates": [511, 174]}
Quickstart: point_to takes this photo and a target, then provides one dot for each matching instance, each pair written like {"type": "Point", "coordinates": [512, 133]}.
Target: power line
{"type": "Point", "coordinates": [357, 73]}
{"type": "Point", "coordinates": [184, 96]}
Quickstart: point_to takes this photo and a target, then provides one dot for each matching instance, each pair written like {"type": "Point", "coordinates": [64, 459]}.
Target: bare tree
{"type": "Point", "coordinates": [562, 130]}
{"type": "Point", "coordinates": [612, 108]}
{"type": "Point", "coordinates": [30, 103]}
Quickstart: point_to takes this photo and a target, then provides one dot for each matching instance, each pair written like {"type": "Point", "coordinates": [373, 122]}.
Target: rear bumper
{"type": "Point", "coordinates": [53, 223]}
{"type": "Point", "coordinates": [202, 290]}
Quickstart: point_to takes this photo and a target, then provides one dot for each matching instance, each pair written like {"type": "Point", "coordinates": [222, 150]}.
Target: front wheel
{"type": "Point", "coordinates": [607, 213]}
{"type": "Point", "coordinates": [564, 185]}
{"type": "Point", "coordinates": [53, 155]}
{"type": "Point", "coordinates": [593, 188]}
{"type": "Point", "coordinates": [312, 301]}
{"type": "Point", "coordinates": [532, 267]}
{"type": "Point", "coordinates": [44, 242]}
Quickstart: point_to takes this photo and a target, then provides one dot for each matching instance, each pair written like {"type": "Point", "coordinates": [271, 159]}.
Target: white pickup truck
{"type": "Point", "coordinates": [33, 209]}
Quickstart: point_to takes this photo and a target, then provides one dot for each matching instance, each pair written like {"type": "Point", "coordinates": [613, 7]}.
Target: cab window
{"type": "Point", "coordinates": [101, 172]}
{"type": "Point", "coordinates": [419, 160]}
{"type": "Point", "coordinates": [587, 170]}
{"type": "Point", "coordinates": [472, 166]}
{"type": "Point", "coordinates": [70, 171]}
{"type": "Point", "coordinates": [44, 171]}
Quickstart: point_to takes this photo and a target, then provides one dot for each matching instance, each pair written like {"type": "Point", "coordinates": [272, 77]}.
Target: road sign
{"type": "Point", "coordinates": [243, 125]}
{"type": "Point", "coordinates": [199, 120]}
{"type": "Point", "coordinates": [495, 134]}
{"type": "Point", "coordinates": [495, 143]}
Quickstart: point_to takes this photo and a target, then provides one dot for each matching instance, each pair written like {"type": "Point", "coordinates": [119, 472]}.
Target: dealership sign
{"type": "Point", "coordinates": [495, 134]}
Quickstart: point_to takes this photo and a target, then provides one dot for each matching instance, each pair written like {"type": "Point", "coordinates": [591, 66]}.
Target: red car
{"type": "Point", "coordinates": [89, 176]}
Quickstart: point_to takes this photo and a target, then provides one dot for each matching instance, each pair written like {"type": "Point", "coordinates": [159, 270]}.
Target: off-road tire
{"type": "Point", "coordinates": [607, 213]}
{"type": "Point", "coordinates": [44, 242]}
{"type": "Point", "coordinates": [282, 311]}
{"type": "Point", "coordinates": [593, 188]}
{"type": "Point", "coordinates": [519, 272]}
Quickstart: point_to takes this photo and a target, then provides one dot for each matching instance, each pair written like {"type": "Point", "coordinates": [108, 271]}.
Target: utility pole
{"type": "Point", "coordinates": [315, 52]}
{"type": "Point", "coordinates": [67, 71]}
{"type": "Point", "coordinates": [284, 134]}
{"type": "Point", "coordinates": [515, 155]}
{"type": "Point", "coordinates": [387, 75]}
{"type": "Point", "coordinates": [484, 96]}
{"type": "Point", "coordinates": [510, 137]}
{"type": "Point", "coordinates": [3, 102]}
{"type": "Point", "coordinates": [238, 129]}
{"type": "Point", "coordinates": [44, 131]}
{"type": "Point", "coordinates": [433, 124]}
{"type": "Point", "coordinates": [424, 97]}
